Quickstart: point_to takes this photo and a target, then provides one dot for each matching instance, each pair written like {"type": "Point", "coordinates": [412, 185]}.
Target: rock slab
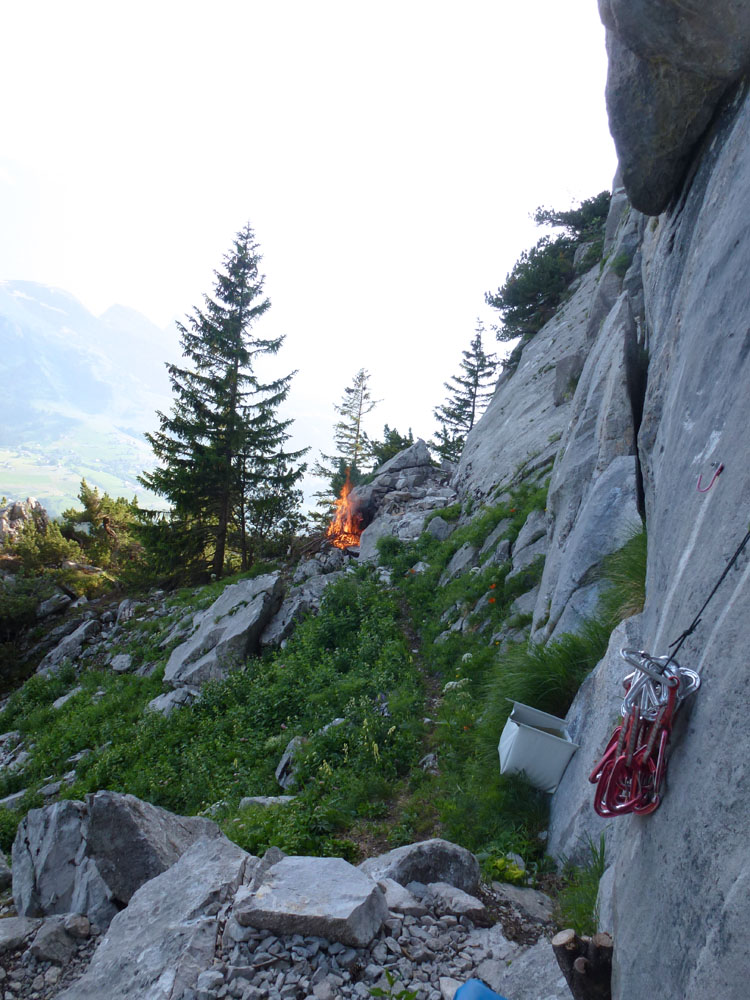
{"type": "Point", "coordinates": [325, 897]}
{"type": "Point", "coordinates": [159, 945]}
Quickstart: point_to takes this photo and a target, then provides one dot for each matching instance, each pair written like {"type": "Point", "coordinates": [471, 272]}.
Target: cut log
{"type": "Point", "coordinates": [586, 964]}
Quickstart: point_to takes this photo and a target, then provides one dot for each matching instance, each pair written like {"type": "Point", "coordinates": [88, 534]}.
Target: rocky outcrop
{"type": "Point", "coordinates": [404, 492]}
{"type": "Point", "coordinates": [669, 65]}
{"type": "Point", "coordinates": [226, 633]}
{"type": "Point", "coordinates": [299, 601]}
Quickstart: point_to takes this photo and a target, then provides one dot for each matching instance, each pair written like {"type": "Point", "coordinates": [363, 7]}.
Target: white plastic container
{"type": "Point", "coordinates": [536, 744]}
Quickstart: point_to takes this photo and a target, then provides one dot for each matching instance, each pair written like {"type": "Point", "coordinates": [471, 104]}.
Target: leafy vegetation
{"type": "Point", "coordinates": [350, 661]}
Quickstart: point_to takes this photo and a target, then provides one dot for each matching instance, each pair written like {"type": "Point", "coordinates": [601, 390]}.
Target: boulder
{"type": "Point", "coordinates": [227, 632]}
{"type": "Point", "coordinates": [428, 861]}
{"type": "Point", "coordinates": [264, 801]}
{"type": "Point", "coordinates": [385, 526]}
{"type": "Point", "coordinates": [53, 943]}
{"type": "Point", "coordinates": [65, 698]}
{"type": "Point", "coordinates": [53, 605]}
{"type": "Point", "coordinates": [166, 703]}
{"type": "Point", "coordinates": [440, 528]}
{"type": "Point", "coordinates": [122, 663]}
{"type": "Point", "coordinates": [399, 900]}
{"type": "Point", "coordinates": [531, 903]}
{"type": "Point", "coordinates": [158, 946]}
{"type": "Point", "coordinates": [532, 974]}
{"type": "Point", "coordinates": [448, 899]}
{"type": "Point", "coordinates": [324, 897]}
{"type": "Point", "coordinates": [133, 841]}
{"type": "Point", "coordinates": [286, 772]}
{"type": "Point", "coordinates": [46, 851]}
{"type": "Point", "coordinates": [89, 858]}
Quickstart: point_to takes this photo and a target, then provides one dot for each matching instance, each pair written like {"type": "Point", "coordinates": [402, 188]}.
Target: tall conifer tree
{"type": "Point", "coordinates": [223, 434]}
{"type": "Point", "coordinates": [469, 394]}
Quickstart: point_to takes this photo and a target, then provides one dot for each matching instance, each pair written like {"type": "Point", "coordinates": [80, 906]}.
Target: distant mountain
{"type": "Point", "coordinates": [78, 391]}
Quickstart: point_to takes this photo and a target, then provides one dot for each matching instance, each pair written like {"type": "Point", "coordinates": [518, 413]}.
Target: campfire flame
{"type": "Point", "coordinates": [346, 526]}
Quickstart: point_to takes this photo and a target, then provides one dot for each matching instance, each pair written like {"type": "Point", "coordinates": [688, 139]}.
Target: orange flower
{"type": "Point", "coordinates": [490, 600]}
{"type": "Point", "coordinates": [492, 586]}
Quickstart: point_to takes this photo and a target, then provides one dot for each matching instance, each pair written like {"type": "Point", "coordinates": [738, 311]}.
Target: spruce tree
{"type": "Point", "coordinates": [223, 432]}
{"type": "Point", "coordinates": [469, 394]}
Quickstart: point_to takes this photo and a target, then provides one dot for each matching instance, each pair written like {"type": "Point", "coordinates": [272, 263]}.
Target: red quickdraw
{"type": "Point", "coordinates": [629, 776]}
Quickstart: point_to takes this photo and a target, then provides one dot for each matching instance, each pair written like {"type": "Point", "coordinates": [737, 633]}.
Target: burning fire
{"type": "Point", "coordinates": [346, 526]}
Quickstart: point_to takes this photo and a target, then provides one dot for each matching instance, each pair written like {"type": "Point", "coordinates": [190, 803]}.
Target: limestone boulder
{"type": "Point", "coordinates": [89, 858]}
{"type": "Point", "coordinates": [53, 605]}
{"type": "Point", "coordinates": [301, 600]}
{"type": "Point", "coordinates": [166, 703]}
{"type": "Point", "coordinates": [447, 898]}
{"type": "Point", "coordinates": [52, 943]}
{"type": "Point", "coordinates": [384, 527]}
{"type": "Point", "coordinates": [325, 897]}
{"type": "Point", "coordinates": [226, 633]}
{"type": "Point", "coordinates": [159, 945]}
{"type": "Point", "coordinates": [133, 841]}
{"type": "Point", "coordinates": [428, 861]}
{"type": "Point", "coordinates": [46, 850]}
{"type": "Point", "coordinates": [533, 974]}
{"type": "Point", "coordinates": [440, 528]}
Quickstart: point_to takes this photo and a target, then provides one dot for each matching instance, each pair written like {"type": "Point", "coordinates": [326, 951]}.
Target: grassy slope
{"type": "Point", "coordinates": [369, 657]}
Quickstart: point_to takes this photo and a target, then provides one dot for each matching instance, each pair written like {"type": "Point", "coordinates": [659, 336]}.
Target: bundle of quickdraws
{"type": "Point", "coordinates": [629, 775]}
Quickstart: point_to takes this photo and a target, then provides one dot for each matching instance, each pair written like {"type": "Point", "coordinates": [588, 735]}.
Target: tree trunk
{"type": "Point", "coordinates": [586, 964]}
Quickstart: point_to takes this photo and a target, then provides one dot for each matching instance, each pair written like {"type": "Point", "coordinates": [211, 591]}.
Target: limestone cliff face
{"type": "Point", "coordinates": [663, 397]}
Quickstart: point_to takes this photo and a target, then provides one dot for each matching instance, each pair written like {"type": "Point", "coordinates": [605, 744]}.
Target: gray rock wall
{"type": "Point", "coordinates": [692, 853]}
{"type": "Point", "coordinates": [675, 894]}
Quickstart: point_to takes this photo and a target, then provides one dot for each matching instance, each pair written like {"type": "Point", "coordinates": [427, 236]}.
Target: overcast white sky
{"type": "Point", "coordinates": [387, 155]}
